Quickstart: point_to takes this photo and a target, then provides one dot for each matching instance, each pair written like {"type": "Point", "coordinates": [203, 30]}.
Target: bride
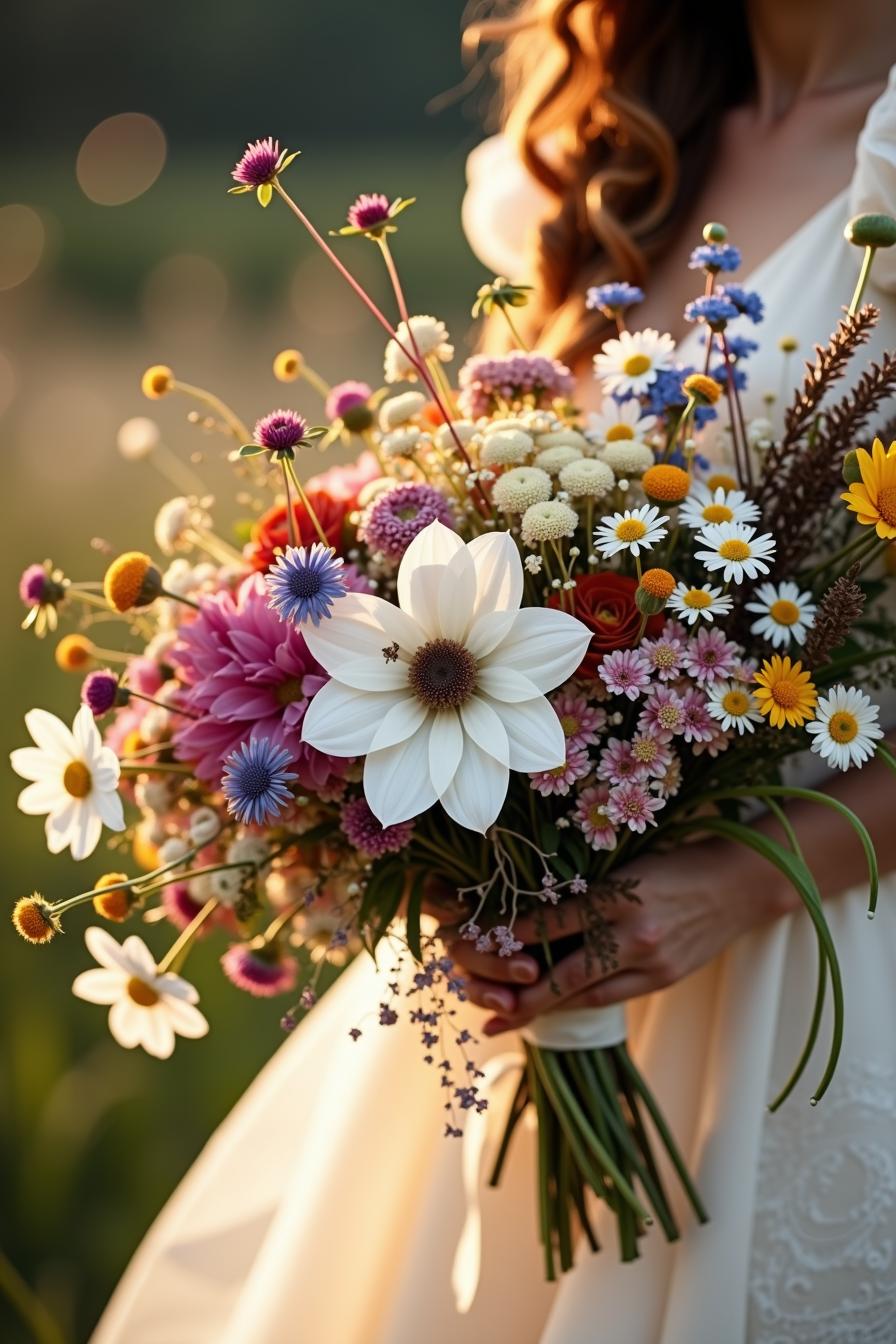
{"type": "Point", "coordinates": [328, 1208]}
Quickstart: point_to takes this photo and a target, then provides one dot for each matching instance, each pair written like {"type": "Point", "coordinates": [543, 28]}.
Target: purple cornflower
{"type": "Point", "coordinates": [632, 804]}
{"type": "Point", "coordinates": [710, 656]}
{"type": "Point", "coordinates": [368, 211]}
{"type": "Point", "coordinates": [261, 970]}
{"type": "Point", "coordinates": [715, 257]}
{"type": "Point", "coordinates": [486, 381]}
{"type": "Point", "coordinates": [746, 301]}
{"type": "Point", "coordinates": [346, 397]}
{"type": "Point", "coordinates": [561, 779]}
{"type": "Point", "coordinates": [712, 309]}
{"type": "Point", "coordinates": [281, 432]}
{"type": "Point", "coordinates": [663, 713]}
{"type": "Point", "coordinates": [397, 516]}
{"type": "Point", "coordinates": [664, 655]}
{"type": "Point", "coordinates": [99, 691]}
{"type": "Point", "coordinates": [625, 672]}
{"type": "Point", "coordinates": [613, 298]}
{"type": "Point", "coordinates": [617, 761]}
{"type": "Point", "coordinates": [304, 583]}
{"type": "Point", "coordinates": [366, 833]}
{"type": "Point", "coordinates": [255, 781]}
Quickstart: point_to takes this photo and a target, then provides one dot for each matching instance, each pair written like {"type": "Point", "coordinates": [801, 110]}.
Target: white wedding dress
{"type": "Point", "coordinates": [327, 1207]}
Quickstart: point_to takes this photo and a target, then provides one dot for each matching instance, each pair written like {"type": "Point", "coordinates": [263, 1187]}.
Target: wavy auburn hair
{"type": "Point", "coordinates": [614, 107]}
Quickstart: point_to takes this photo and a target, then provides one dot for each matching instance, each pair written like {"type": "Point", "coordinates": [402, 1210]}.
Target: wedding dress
{"type": "Point", "coordinates": [327, 1207]}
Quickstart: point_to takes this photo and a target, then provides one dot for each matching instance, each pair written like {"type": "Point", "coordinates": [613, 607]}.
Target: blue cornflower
{"type": "Point", "coordinates": [255, 783]}
{"type": "Point", "coordinates": [738, 376]}
{"type": "Point", "coordinates": [746, 301]}
{"type": "Point", "coordinates": [713, 309]}
{"type": "Point", "coordinates": [665, 394]}
{"type": "Point", "coordinates": [613, 298]}
{"type": "Point", "coordinates": [739, 347]}
{"type": "Point", "coordinates": [304, 583]}
{"type": "Point", "coordinates": [715, 257]}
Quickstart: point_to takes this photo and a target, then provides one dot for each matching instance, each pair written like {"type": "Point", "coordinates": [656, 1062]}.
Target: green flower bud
{"type": "Point", "coordinates": [851, 473]}
{"type": "Point", "coordinates": [713, 232]}
{"type": "Point", "coordinates": [647, 604]}
{"type": "Point", "coordinates": [871, 230]}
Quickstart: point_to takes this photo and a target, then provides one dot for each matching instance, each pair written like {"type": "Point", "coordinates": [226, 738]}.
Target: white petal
{"type": "Point", "coordinates": [535, 734]}
{"type": "Point", "coordinates": [158, 1032]}
{"type": "Point", "coordinates": [476, 794]}
{"type": "Point", "coordinates": [361, 627]}
{"type": "Point", "coordinates": [371, 674]}
{"type": "Point", "coordinates": [32, 763]}
{"type": "Point", "coordinates": [505, 683]}
{"type": "Point", "coordinates": [420, 572]}
{"type": "Point", "coordinates": [484, 726]}
{"type": "Point", "coordinates": [396, 780]}
{"type": "Point", "coordinates": [420, 597]}
{"type": "Point", "coordinates": [98, 986]}
{"type": "Point", "coordinates": [51, 734]}
{"type": "Point", "coordinates": [104, 949]}
{"type": "Point", "coordinates": [499, 573]}
{"type": "Point", "coordinates": [185, 1019]}
{"type": "Point", "coordinates": [110, 810]}
{"type": "Point", "coordinates": [139, 957]}
{"type": "Point", "coordinates": [105, 778]}
{"type": "Point", "coordinates": [488, 630]}
{"type": "Point", "coordinates": [86, 735]}
{"type": "Point", "coordinates": [59, 827]}
{"type": "Point", "coordinates": [399, 723]}
{"type": "Point", "coordinates": [86, 830]}
{"type": "Point", "coordinates": [343, 721]}
{"type": "Point", "coordinates": [545, 645]}
{"type": "Point", "coordinates": [446, 746]}
{"type": "Point", "coordinates": [45, 795]}
{"type": "Point", "coordinates": [176, 987]}
{"type": "Point", "coordinates": [126, 1022]}
{"type": "Point", "coordinates": [457, 594]}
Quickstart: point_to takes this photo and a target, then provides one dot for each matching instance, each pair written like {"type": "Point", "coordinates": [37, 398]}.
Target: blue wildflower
{"type": "Point", "coordinates": [713, 309]}
{"type": "Point", "coordinates": [304, 583]}
{"type": "Point", "coordinates": [665, 394]}
{"type": "Point", "coordinates": [746, 301]}
{"type": "Point", "coordinates": [740, 347]}
{"type": "Point", "coordinates": [738, 376]}
{"type": "Point", "coordinates": [255, 781]}
{"type": "Point", "coordinates": [613, 298]}
{"type": "Point", "coordinates": [714, 257]}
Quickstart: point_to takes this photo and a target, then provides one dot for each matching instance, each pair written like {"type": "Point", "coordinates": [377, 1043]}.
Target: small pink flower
{"type": "Point", "coordinates": [617, 762]}
{"type": "Point", "coordinates": [745, 670]}
{"type": "Point", "coordinates": [651, 753]}
{"type": "Point", "coordinates": [664, 655]}
{"type": "Point", "coordinates": [668, 784]}
{"type": "Point", "coordinates": [366, 833]}
{"type": "Point", "coordinates": [625, 672]}
{"type": "Point", "coordinates": [663, 713]}
{"type": "Point", "coordinates": [582, 723]}
{"type": "Point", "coordinates": [632, 804]}
{"type": "Point", "coordinates": [562, 777]}
{"type": "Point", "coordinates": [591, 817]}
{"type": "Point", "coordinates": [717, 741]}
{"type": "Point", "coordinates": [710, 656]}
{"type": "Point", "coordinates": [674, 630]}
{"type": "Point", "coordinates": [699, 725]}
{"type": "Point", "coordinates": [262, 971]}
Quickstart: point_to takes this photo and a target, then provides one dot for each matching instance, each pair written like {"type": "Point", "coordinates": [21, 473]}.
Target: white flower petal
{"type": "Point", "coordinates": [499, 573]}
{"type": "Point", "coordinates": [544, 645]}
{"type": "Point", "coordinates": [396, 780]}
{"type": "Point", "coordinates": [140, 959]}
{"type": "Point", "coordinates": [98, 986]}
{"type": "Point", "coordinates": [110, 810]}
{"type": "Point", "coordinates": [446, 746]}
{"type": "Point", "coordinates": [488, 630]}
{"type": "Point", "coordinates": [45, 795]}
{"type": "Point", "coordinates": [105, 779]}
{"type": "Point", "coordinates": [186, 1019]}
{"type": "Point", "coordinates": [32, 763]}
{"type": "Point", "coordinates": [361, 626]}
{"type": "Point", "coordinates": [343, 721]}
{"type": "Point", "coordinates": [419, 573]}
{"type": "Point", "coordinates": [60, 826]}
{"type": "Point", "coordinates": [505, 683]}
{"type": "Point", "coordinates": [484, 726]}
{"type": "Point", "coordinates": [87, 827]}
{"type": "Point", "coordinates": [457, 594]}
{"type": "Point", "coordinates": [399, 723]}
{"type": "Point", "coordinates": [104, 949]}
{"type": "Point", "coordinates": [51, 735]}
{"type": "Point", "coordinates": [534, 733]}
{"type": "Point", "coordinates": [176, 987]}
{"type": "Point", "coordinates": [126, 1022]}
{"type": "Point", "coordinates": [86, 734]}
{"type": "Point", "coordinates": [158, 1032]}
{"type": "Point", "coordinates": [372, 674]}
{"type": "Point", "coordinates": [476, 794]}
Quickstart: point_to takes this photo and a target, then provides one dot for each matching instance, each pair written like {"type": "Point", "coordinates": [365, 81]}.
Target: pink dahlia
{"type": "Point", "coordinates": [625, 672]}
{"type": "Point", "coordinates": [663, 713]}
{"type": "Point", "coordinates": [247, 676]}
{"type": "Point", "coordinates": [710, 656]}
{"type": "Point", "coordinates": [617, 762]}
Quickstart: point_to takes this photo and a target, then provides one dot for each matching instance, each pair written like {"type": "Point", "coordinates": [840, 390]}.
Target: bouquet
{"type": "Point", "coordinates": [510, 648]}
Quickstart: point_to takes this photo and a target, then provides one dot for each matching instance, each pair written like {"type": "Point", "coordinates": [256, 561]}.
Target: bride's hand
{"type": "Point", "coordinates": [690, 905]}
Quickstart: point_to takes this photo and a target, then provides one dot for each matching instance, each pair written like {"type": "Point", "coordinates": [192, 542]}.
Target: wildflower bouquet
{"type": "Point", "coordinates": [507, 650]}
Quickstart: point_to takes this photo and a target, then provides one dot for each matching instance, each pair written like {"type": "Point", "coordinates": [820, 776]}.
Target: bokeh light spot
{"type": "Point", "coordinates": [22, 239]}
{"type": "Point", "coordinates": [121, 158]}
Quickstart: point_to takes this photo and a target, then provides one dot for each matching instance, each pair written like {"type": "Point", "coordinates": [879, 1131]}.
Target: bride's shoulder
{"type": "Point", "coordinates": [874, 181]}
{"type": "Point", "coordinates": [501, 206]}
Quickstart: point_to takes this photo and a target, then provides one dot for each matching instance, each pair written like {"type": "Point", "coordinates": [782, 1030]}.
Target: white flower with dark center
{"type": "Point", "coordinates": [444, 694]}
{"type": "Point", "coordinates": [785, 613]}
{"type": "Point", "coordinates": [845, 727]}
{"type": "Point", "coordinates": [431, 340]}
{"type": "Point", "coordinates": [733, 706]}
{"type": "Point", "coordinates": [146, 1008]}
{"type": "Point", "coordinates": [521, 487]}
{"type": "Point", "coordinates": [619, 422]}
{"type": "Point", "coordinates": [75, 781]}
{"type": "Point", "coordinates": [631, 361]}
{"type": "Point", "coordinates": [704, 506]}
{"type": "Point", "coordinates": [635, 530]}
{"type": "Point", "coordinates": [735, 549]}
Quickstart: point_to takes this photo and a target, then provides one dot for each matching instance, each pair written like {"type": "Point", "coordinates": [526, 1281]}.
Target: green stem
{"type": "Point", "coordinates": [177, 952]}
{"type": "Point", "coordinates": [42, 1328]}
{"type": "Point", "coordinates": [290, 516]}
{"type": "Point", "coordinates": [642, 1090]}
{"type": "Point", "coordinates": [513, 328]}
{"type": "Point", "coordinates": [864, 273]}
{"type": "Point", "coordinates": [321, 534]}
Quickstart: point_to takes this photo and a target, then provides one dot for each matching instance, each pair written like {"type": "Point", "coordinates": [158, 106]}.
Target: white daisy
{"type": "Point", "coordinates": [431, 339]}
{"type": "Point", "coordinates": [147, 1008]}
{"type": "Point", "coordinates": [692, 603]}
{"type": "Point", "coordinates": [845, 727]}
{"type": "Point", "coordinates": [733, 705]}
{"type": "Point", "coordinates": [619, 422]}
{"type": "Point", "coordinates": [736, 550]}
{"type": "Point", "coordinates": [444, 694]}
{"type": "Point", "coordinates": [635, 530]}
{"type": "Point", "coordinates": [75, 781]}
{"type": "Point", "coordinates": [785, 613]}
{"type": "Point", "coordinates": [704, 505]}
{"type": "Point", "coordinates": [631, 361]}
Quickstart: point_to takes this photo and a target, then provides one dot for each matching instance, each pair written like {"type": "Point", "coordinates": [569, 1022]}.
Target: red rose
{"type": "Point", "coordinates": [271, 530]}
{"type": "Point", "coordinates": [606, 604]}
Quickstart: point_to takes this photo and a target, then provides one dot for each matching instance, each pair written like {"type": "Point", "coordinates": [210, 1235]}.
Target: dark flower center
{"type": "Point", "coordinates": [442, 674]}
{"type": "Point", "coordinates": [255, 780]}
{"type": "Point", "coordinates": [304, 582]}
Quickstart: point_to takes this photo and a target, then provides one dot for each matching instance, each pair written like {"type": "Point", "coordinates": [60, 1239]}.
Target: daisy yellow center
{"type": "Point", "coordinates": [442, 674]}
{"type": "Point", "coordinates": [635, 365]}
{"type": "Point", "coordinates": [570, 725]}
{"type": "Point", "coordinates": [843, 726]}
{"type": "Point", "coordinates": [786, 693]}
{"type": "Point", "coordinates": [142, 994]}
{"type": "Point", "coordinates": [620, 431]}
{"type": "Point", "coordinates": [736, 703]}
{"type": "Point", "coordinates": [697, 598]}
{"type": "Point", "coordinates": [784, 612]}
{"type": "Point", "coordinates": [631, 529]}
{"type": "Point", "coordinates": [718, 513]}
{"type": "Point", "coordinates": [734, 549]}
{"type": "Point", "coordinates": [886, 504]}
{"type": "Point", "coordinates": [76, 779]}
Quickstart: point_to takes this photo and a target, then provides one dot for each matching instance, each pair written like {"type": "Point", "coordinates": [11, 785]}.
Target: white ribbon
{"type": "Point", "coordinates": [577, 1029]}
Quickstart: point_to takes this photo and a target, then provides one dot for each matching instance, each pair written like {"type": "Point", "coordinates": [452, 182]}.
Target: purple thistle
{"type": "Point", "coordinates": [366, 834]}
{"type": "Point", "coordinates": [255, 781]}
{"type": "Point", "coordinates": [261, 971]}
{"type": "Point", "coordinates": [304, 583]}
{"type": "Point", "coordinates": [258, 164]}
{"type": "Point", "coordinates": [280, 431]}
{"type": "Point", "coordinates": [368, 211]}
{"type": "Point", "coordinates": [34, 586]}
{"type": "Point", "coordinates": [397, 516]}
{"type": "Point", "coordinates": [345, 397]}
{"type": "Point", "coordinates": [99, 691]}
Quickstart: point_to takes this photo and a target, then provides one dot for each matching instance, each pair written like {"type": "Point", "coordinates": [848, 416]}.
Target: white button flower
{"type": "Point", "coordinates": [444, 693]}
{"type": "Point", "coordinates": [146, 1008]}
{"type": "Point", "coordinates": [75, 781]}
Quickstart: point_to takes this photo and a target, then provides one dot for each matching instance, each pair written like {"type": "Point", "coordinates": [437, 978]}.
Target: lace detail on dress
{"type": "Point", "coordinates": [823, 1261]}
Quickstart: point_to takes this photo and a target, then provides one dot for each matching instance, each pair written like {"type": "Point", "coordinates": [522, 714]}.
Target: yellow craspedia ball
{"type": "Point", "coordinates": [788, 344]}
{"type": "Point", "coordinates": [33, 919]}
{"type": "Point", "coordinates": [113, 903]}
{"type": "Point", "coordinates": [666, 483]}
{"type": "Point", "coordinates": [288, 365]}
{"type": "Point", "coordinates": [659, 583]}
{"type": "Point", "coordinates": [74, 652]}
{"type": "Point", "coordinates": [156, 381]}
{"type": "Point", "coordinates": [702, 388]}
{"type": "Point", "coordinates": [131, 581]}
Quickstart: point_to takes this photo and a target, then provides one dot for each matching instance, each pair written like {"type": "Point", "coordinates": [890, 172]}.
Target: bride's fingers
{"type": "Point", "coordinates": [487, 994]}
{"type": "Point", "coordinates": [519, 968]}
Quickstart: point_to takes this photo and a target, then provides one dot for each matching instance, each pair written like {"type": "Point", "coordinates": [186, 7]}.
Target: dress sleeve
{"type": "Point", "coordinates": [874, 182]}
{"type": "Point", "coordinates": [501, 207]}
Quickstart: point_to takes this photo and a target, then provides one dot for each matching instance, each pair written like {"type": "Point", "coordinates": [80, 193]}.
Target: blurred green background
{"type": "Point", "coordinates": [95, 1137]}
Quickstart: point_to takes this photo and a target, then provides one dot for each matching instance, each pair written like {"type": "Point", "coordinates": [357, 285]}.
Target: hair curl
{"type": "Point", "coordinates": [614, 107]}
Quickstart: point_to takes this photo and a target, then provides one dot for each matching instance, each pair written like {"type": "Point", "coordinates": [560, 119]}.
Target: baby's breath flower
{"type": "Point", "coordinates": [520, 489]}
{"type": "Point", "coordinates": [548, 522]}
{"type": "Point", "coordinates": [401, 442]}
{"type": "Point", "coordinates": [399, 410]}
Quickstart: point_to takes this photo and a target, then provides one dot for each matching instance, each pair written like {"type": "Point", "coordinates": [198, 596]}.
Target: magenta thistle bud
{"type": "Point", "coordinates": [259, 167]}
{"type": "Point", "coordinates": [259, 969]}
{"type": "Point", "coordinates": [372, 214]}
{"type": "Point", "coordinates": [100, 692]}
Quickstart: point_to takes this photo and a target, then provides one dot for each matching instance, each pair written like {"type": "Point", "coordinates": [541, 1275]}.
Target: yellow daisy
{"type": "Point", "coordinates": [785, 692]}
{"type": "Point", "coordinates": [873, 499]}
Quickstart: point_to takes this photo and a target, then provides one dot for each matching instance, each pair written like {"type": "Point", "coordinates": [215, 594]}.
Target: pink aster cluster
{"type": "Point", "coordinates": [487, 381]}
